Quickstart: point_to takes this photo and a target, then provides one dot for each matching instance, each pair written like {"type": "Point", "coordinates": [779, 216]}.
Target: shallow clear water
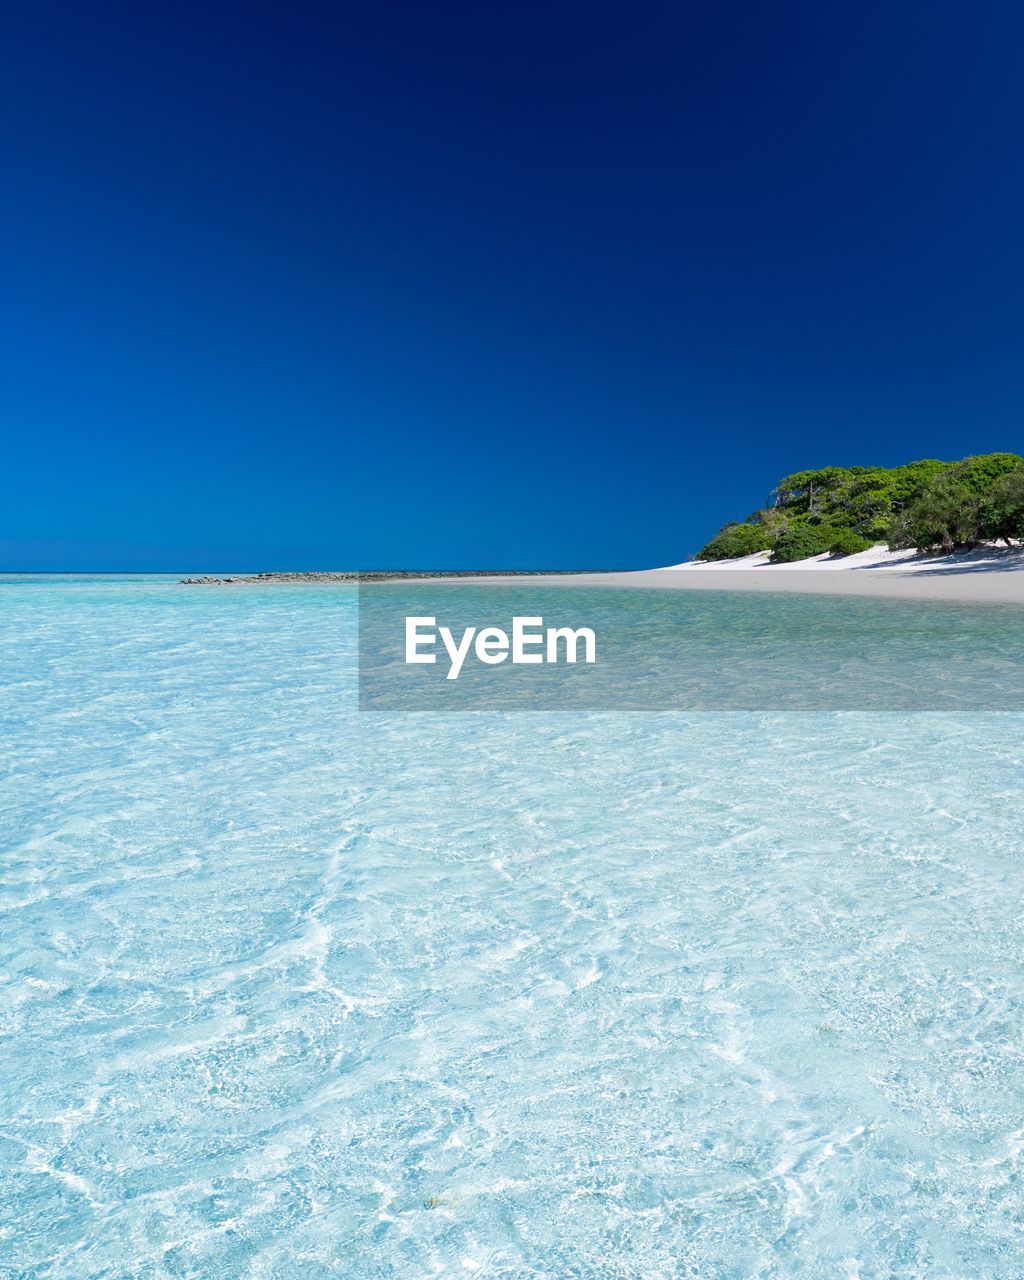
{"type": "Point", "coordinates": [290, 990]}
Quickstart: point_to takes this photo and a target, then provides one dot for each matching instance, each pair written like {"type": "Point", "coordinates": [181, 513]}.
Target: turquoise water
{"type": "Point", "coordinates": [290, 990]}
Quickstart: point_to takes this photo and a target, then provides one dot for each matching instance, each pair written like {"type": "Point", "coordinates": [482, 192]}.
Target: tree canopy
{"type": "Point", "coordinates": [928, 504]}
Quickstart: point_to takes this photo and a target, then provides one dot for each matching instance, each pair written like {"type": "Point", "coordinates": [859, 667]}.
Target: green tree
{"type": "Point", "coordinates": [946, 515]}
{"type": "Point", "coordinates": [1003, 508]}
{"type": "Point", "coordinates": [983, 471]}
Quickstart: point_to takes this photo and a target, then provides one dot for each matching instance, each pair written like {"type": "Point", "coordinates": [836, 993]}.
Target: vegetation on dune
{"type": "Point", "coordinates": [1003, 507]}
{"type": "Point", "coordinates": [930, 505]}
{"type": "Point", "coordinates": [737, 540]}
{"type": "Point", "coordinates": [801, 540]}
{"type": "Point", "coordinates": [847, 543]}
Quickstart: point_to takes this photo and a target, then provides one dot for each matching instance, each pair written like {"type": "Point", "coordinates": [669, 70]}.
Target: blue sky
{"type": "Point", "coordinates": [479, 286]}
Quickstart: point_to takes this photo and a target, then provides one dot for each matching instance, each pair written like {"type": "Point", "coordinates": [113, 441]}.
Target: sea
{"type": "Point", "coordinates": [297, 983]}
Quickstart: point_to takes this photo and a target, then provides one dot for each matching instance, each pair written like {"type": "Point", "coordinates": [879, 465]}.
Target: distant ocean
{"type": "Point", "coordinates": [290, 989]}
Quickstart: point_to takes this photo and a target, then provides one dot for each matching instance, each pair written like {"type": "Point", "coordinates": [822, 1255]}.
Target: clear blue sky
{"type": "Point", "coordinates": [491, 286]}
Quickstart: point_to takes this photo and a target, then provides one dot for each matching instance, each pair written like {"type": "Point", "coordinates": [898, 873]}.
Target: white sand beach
{"type": "Point", "coordinates": [986, 575]}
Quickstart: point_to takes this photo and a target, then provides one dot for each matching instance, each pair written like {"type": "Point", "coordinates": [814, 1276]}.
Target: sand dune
{"type": "Point", "coordinates": [877, 557]}
{"type": "Point", "coordinates": [987, 575]}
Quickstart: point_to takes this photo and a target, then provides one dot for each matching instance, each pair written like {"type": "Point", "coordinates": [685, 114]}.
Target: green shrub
{"type": "Point", "coordinates": [803, 540]}
{"type": "Point", "coordinates": [848, 543]}
{"type": "Point", "coordinates": [736, 540]}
